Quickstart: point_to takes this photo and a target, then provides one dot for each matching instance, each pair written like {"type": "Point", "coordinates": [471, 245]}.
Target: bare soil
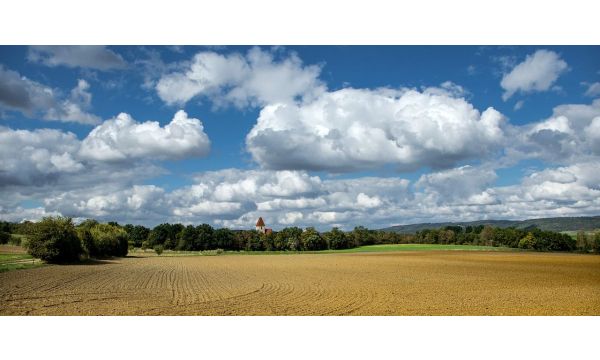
{"type": "Point", "coordinates": [402, 283]}
{"type": "Point", "coordinates": [12, 249]}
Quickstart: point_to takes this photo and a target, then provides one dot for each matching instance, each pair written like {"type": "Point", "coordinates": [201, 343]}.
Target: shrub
{"type": "Point", "coordinates": [4, 237]}
{"type": "Point", "coordinates": [528, 242]}
{"type": "Point", "coordinates": [87, 241]}
{"type": "Point", "coordinates": [158, 249]}
{"type": "Point", "coordinates": [54, 239]}
{"type": "Point", "coordinates": [108, 240]}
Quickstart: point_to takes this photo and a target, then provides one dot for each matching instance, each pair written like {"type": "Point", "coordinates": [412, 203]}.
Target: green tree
{"type": "Point", "coordinates": [447, 237]}
{"type": "Point", "coordinates": [54, 239]}
{"type": "Point", "coordinates": [187, 238]}
{"type": "Point", "coordinates": [137, 234]}
{"type": "Point", "coordinates": [267, 241]}
{"type": "Point", "coordinates": [159, 235]}
{"type": "Point", "coordinates": [337, 239]}
{"type": "Point", "coordinates": [528, 242]}
{"type": "Point", "coordinates": [88, 224]}
{"type": "Point", "coordinates": [206, 238]}
{"type": "Point", "coordinates": [224, 239]}
{"type": "Point", "coordinates": [249, 240]}
{"type": "Point", "coordinates": [360, 236]}
{"type": "Point", "coordinates": [487, 235]}
{"type": "Point", "coordinates": [288, 239]}
{"type": "Point", "coordinates": [312, 240]}
{"type": "Point", "coordinates": [583, 244]}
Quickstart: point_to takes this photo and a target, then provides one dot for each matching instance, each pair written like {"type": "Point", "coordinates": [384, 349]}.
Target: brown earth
{"type": "Point", "coordinates": [402, 283]}
{"type": "Point", "coordinates": [12, 249]}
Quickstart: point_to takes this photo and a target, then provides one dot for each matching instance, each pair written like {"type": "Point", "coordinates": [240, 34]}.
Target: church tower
{"type": "Point", "coordinates": [260, 225]}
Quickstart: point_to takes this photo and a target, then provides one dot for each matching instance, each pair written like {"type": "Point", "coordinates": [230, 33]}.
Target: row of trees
{"type": "Point", "coordinates": [58, 239]}
{"type": "Point", "coordinates": [534, 239]}
{"type": "Point", "coordinates": [205, 237]}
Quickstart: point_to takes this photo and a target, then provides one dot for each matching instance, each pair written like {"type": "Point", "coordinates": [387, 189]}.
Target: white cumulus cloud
{"type": "Point", "coordinates": [353, 129]}
{"type": "Point", "coordinates": [254, 79]}
{"type": "Point", "coordinates": [123, 138]}
{"type": "Point", "coordinates": [30, 157]}
{"type": "Point", "coordinates": [538, 72]}
{"type": "Point", "coordinates": [569, 135]}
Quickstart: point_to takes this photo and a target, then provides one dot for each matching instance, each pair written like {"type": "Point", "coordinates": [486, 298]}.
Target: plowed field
{"type": "Point", "coordinates": [402, 283]}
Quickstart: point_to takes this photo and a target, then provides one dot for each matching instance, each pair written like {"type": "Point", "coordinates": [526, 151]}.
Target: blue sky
{"type": "Point", "coordinates": [301, 135]}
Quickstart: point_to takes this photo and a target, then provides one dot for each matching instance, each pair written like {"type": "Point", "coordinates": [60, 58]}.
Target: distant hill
{"type": "Point", "coordinates": [553, 224]}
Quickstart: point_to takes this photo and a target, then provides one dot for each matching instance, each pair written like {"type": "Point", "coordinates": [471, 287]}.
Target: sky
{"type": "Point", "coordinates": [303, 136]}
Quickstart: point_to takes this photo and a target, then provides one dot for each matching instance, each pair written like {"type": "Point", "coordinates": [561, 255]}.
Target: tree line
{"type": "Point", "coordinates": [58, 239]}
{"type": "Point", "coordinates": [533, 238]}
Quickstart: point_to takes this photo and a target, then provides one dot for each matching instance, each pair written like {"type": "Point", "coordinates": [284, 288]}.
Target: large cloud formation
{"type": "Point", "coordinates": [254, 79]}
{"type": "Point", "coordinates": [538, 72]}
{"type": "Point", "coordinates": [48, 157]}
{"type": "Point", "coordinates": [32, 99]}
{"type": "Point", "coordinates": [28, 157]}
{"type": "Point", "coordinates": [235, 198]}
{"type": "Point", "coordinates": [303, 126]}
{"type": "Point", "coordinates": [122, 138]}
{"type": "Point", "coordinates": [569, 135]}
{"type": "Point", "coordinates": [352, 129]}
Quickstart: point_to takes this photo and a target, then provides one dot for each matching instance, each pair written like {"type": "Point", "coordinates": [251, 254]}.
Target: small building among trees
{"type": "Point", "coordinates": [261, 228]}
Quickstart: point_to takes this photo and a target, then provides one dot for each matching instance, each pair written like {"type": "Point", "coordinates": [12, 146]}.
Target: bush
{"type": "Point", "coordinates": [54, 239]}
{"type": "Point", "coordinates": [87, 241]}
{"type": "Point", "coordinates": [528, 242]}
{"type": "Point", "coordinates": [214, 252]}
{"type": "Point", "coordinates": [108, 240]}
{"type": "Point", "coordinates": [158, 249]}
{"type": "Point", "coordinates": [4, 237]}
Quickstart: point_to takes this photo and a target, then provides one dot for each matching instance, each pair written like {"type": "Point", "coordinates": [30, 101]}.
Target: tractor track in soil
{"type": "Point", "coordinates": [407, 283]}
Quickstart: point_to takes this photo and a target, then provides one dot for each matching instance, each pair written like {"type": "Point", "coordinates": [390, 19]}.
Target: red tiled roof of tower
{"type": "Point", "coordinates": [260, 222]}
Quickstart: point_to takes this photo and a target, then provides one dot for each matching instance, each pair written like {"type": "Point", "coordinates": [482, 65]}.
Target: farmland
{"type": "Point", "coordinates": [366, 283]}
{"type": "Point", "coordinates": [15, 258]}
